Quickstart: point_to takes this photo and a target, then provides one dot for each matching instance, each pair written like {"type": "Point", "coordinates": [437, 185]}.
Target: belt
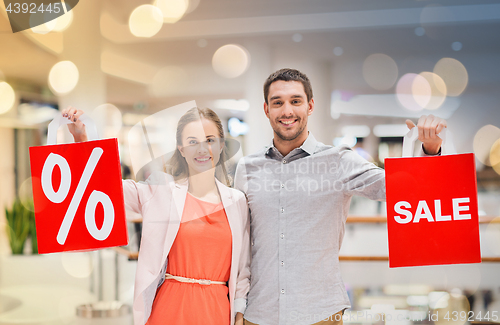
{"type": "Point", "coordinates": [189, 280]}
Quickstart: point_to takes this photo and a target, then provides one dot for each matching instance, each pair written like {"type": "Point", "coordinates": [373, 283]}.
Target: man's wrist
{"type": "Point", "coordinates": [433, 151]}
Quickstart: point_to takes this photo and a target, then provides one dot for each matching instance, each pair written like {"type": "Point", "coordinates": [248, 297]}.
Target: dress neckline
{"type": "Point", "coordinates": [203, 201]}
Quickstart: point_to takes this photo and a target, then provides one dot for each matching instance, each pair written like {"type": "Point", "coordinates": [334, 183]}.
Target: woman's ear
{"type": "Point", "coordinates": [181, 149]}
{"type": "Point", "coordinates": [222, 145]}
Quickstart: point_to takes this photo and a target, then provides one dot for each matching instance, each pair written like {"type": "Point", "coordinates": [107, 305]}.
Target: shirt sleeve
{"type": "Point", "coordinates": [361, 177]}
{"type": "Point", "coordinates": [240, 178]}
{"type": "Point", "coordinates": [422, 153]}
{"type": "Point", "coordinates": [364, 178]}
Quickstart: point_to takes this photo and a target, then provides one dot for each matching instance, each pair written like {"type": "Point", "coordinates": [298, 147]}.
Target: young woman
{"type": "Point", "coordinates": [194, 256]}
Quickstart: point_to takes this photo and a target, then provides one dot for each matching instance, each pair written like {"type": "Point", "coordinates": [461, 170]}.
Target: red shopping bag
{"type": "Point", "coordinates": [77, 192]}
{"type": "Point", "coordinates": [432, 212]}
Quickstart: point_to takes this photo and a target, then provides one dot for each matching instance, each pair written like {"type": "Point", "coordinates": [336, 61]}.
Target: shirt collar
{"type": "Point", "coordinates": [308, 146]}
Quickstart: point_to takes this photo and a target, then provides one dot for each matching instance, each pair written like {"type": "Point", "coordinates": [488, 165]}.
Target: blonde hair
{"type": "Point", "coordinates": [177, 165]}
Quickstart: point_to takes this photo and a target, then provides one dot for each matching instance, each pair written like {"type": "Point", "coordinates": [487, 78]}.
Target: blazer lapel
{"type": "Point", "coordinates": [179, 192]}
{"type": "Point", "coordinates": [227, 202]}
{"type": "Point", "coordinates": [234, 224]}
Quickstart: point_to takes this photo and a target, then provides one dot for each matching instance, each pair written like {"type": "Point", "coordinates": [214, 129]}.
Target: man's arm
{"type": "Point", "coordinates": [366, 179]}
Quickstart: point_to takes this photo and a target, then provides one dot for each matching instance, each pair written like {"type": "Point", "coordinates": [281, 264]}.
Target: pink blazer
{"type": "Point", "coordinates": [160, 200]}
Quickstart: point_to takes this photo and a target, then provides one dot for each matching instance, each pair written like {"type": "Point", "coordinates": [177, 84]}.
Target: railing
{"type": "Point", "coordinates": [382, 219]}
{"type": "Point", "coordinates": [351, 258]}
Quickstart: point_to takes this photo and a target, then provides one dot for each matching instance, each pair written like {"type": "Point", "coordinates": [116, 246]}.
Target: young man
{"type": "Point", "coordinates": [299, 191]}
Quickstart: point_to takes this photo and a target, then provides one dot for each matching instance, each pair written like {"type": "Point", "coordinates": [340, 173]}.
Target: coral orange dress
{"type": "Point", "coordinates": [201, 250]}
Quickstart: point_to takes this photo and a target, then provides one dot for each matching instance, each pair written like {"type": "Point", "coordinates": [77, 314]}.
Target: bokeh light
{"type": "Point", "coordinates": [338, 51]}
{"type": "Point", "coordinates": [454, 303]}
{"type": "Point", "coordinates": [421, 90]}
{"type": "Point", "coordinates": [380, 71]}
{"type": "Point", "coordinates": [78, 265]}
{"type": "Point", "coordinates": [491, 236]}
{"type": "Point", "coordinates": [193, 4]}
{"type": "Point", "coordinates": [107, 118]}
{"type": "Point", "coordinates": [63, 77]}
{"type": "Point", "coordinates": [456, 46]}
{"type": "Point", "coordinates": [145, 21]}
{"type": "Point", "coordinates": [438, 90]}
{"type": "Point", "coordinates": [483, 143]}
{"type": "Point", "coordinates": [44, 28]}
{"type": "Point", "coordinates": [419, 31]}
{"type": "Point", "coordinates": [202, 42]}
{"type": "Point", "coordinates": [172, 10]}
{"type": "Point", "coordinates": [58, 24]}
{"type": "Point", "coordinates": [347, 140]}
{"type": "Point", "coordinates": [168, 80]}
{"type": "Point", "coordinates": [495, 156]}
{"type": "Point", "coordinates": [230, 61]}
{"type": "Point", "coordinates": [25, 193]}
{"type": "Point", "coordinates": [454, 75]}
{"type": "Point", "coordinates": [413, 91]}
{"type": "Point", "coordinates": [25, 189]}
{"type": "Point", "coordinates": [7, 97]}
{"type": "Point", "coordinates": [460, 274]}
{"type": "Point", "coordinates": [297, 37]}
{"type": "Point", "coordinates": [438, 299]}
{"type": "Point", "coordinates": [236, 127]}
{"type": "Point", "coordinates": [63, 22]}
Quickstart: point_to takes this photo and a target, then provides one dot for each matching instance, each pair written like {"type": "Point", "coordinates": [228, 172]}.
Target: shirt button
{"type": "Point", "coordinates": [282, 185]}
{"type": "Point", "coordinates": [284, 161]}
{"type": "Point", "coordinates": [282, 210]}
{"type": "Point", "coordinates": [282, 263]}
{"type": "Point", "coordinates": [282, 236]}
{"type": "Point", "coordinates": [283, 291]}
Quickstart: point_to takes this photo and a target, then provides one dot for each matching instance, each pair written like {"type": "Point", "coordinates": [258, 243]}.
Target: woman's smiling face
{"type": "Point", "coordinates": [201, 145]}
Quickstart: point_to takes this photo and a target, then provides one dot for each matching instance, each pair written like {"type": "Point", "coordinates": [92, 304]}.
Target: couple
{"type": "Point", "coordinates": [194, 260]}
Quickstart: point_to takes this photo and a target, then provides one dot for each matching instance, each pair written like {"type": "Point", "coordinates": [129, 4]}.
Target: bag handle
{"type": "Point", "coordinates": [447, 147]}
{"type": "Point", "coordinates": [60, 120]}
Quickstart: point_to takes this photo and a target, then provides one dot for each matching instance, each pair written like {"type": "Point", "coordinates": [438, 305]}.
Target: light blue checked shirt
{"type": "Point", "coordinates": [299, 204]}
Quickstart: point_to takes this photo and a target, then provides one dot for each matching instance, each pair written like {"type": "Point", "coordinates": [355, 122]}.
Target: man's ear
{"type": "Point", "coordinates": [266, 109]}
{"type": "Point", "coordinates": [310, 109]}
{"type": "Point", "coordinates": [181, 149]}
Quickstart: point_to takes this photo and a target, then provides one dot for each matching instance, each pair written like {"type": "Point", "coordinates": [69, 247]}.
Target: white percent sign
{"type": "Point", "coordinates": [62, 192]}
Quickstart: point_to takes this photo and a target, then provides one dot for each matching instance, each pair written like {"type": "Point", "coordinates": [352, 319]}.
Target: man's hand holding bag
{"type": "Point", "coordinates": [432, 212]}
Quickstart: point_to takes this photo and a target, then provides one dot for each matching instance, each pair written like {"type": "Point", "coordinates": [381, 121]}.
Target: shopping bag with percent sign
{"type": "Point", "coordinates": [77, 192]}
{"type": "Point", "coordinates": [432, 211]}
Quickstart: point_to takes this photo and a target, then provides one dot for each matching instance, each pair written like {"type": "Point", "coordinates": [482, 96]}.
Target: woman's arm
{"type": "Point", "coordinates": [77, 128]}
{"type": "Point", "coordinates": [131, 189]}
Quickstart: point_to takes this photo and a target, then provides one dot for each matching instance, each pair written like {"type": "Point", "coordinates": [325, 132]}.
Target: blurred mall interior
{"type": "Point", "coordinates": [372, 65]}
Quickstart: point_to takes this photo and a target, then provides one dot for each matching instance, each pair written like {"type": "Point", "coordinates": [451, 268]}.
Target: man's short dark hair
{"type": "Point", "coordinates": [288, 75]}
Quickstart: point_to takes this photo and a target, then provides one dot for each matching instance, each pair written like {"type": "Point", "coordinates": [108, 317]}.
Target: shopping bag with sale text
{"type": "Point", "coordinates": [77, 192]}
{"type": "Point", "coordinates": [432, 212]}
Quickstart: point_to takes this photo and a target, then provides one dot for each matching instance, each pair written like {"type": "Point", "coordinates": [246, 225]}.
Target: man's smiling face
{"type": "Point", "coordinates": [288, 109]}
